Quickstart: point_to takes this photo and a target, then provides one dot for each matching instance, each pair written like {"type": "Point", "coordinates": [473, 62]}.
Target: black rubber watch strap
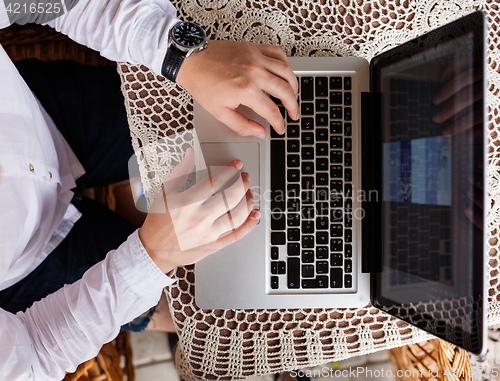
{"type": "Point", "coordinates": [172, 63]}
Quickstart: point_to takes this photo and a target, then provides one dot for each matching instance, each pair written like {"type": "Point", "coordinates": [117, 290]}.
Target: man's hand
{"type": "Point", "coordinates": [228, 74]}
{"type": "Point", "coordinates": [184, 226]}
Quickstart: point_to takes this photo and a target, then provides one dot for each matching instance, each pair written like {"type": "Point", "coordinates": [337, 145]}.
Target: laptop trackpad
{"type": "Point", "coordinates": [219, 154]}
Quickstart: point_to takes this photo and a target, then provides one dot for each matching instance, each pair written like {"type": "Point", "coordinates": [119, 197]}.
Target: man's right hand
{"type": "Point", "coordinates": [184, 226]}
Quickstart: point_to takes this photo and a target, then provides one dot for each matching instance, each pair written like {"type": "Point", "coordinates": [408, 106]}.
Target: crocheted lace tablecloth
{"type": "Point", "coordinates": [234, 344]}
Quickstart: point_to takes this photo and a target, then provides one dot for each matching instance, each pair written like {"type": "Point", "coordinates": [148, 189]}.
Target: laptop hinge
{"type": "Point", "coordinates": [371, 182]}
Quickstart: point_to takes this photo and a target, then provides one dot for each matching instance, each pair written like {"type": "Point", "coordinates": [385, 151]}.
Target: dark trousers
{"type": "Point", "coordinates": [87, 106]}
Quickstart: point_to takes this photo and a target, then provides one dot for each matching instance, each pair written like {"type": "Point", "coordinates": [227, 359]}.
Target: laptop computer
{"type": "Point", "coordinates": [374, 195]}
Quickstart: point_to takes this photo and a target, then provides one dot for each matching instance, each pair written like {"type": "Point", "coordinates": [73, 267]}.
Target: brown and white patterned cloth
{"type": "Point", "coordinates": [233, 344]}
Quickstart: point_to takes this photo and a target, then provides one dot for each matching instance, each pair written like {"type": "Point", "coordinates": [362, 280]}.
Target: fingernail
{"type": "Point", "coordinates": [256, 214]}
{"type": "Point", "coordinates": [239, 164]}
{"type": "Point", "coordinates": [247, 175]}
{"type": "Point", "coordinates": [260, 135]}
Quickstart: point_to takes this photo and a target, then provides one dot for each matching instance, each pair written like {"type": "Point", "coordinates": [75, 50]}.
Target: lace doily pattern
{"type": "Point", "coordinates": [234, 344]}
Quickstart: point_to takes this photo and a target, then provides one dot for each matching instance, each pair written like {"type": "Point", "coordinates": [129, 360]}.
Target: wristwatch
{"type": "Point", "coordinates": [184, 38]}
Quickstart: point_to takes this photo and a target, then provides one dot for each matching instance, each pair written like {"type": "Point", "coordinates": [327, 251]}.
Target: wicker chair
{"type": "Point", "coordinates": [33, 41]}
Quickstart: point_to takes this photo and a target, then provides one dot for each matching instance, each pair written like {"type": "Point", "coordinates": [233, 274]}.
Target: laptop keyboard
{"type": "Point", "coordinates": [311, 183]}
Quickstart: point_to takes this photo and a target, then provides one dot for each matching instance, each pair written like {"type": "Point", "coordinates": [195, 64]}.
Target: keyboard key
{"type": "Point", "coordinates": [307, 124]}
{"type": "Point", "coordinates": [335, 83]}
{"type": "Point", "coordinates": [336, 201]}
{"type": "Point", "coordinates": [274, 267]}
{"type": "Point", "coordinates": [307, 138]}
{"type": "Point", "coordinates": [335, 127]}
{"type": "Point", "coordinates": [336, 276]}
{"type": "Point", "coordinates": [322, 149]}
{"type": "Point", "coordinates": [322, 164]}
{"type": "Point", "coordinates": [347, 83]}
{"type": "Point", "coordinates": [336, 260]}
{"type": "Point", "coordinates": [348, 281]}
{"type": "Point", "coordinates": [277, 173]}
{"type": "Point", "coordinates": [293, 161]}
{"type": "Point", "coordinates": [335, 157]}
{"type": "Point", "coordinates": [278, 238]}
{"type": "Point", "coordinates": [348, 266]}
{"type": "Point", "coordinates": [322, 194]}
{"type": "Point", "coordinates": [293, 175]}
{"type": "Point", "coordinates": [348, 113]}
{"type": "Point", "coordinates": [335, 142]}
{"type": "Point", "coordinates": [348, 174]}
{"type": "Point", "coordinates": [321, 135]}
{"type": "Point", "coordinates": [277, 221]}
{"type": "Point", "coordinates": [348, 190]}
{"type": "Point", "coordinates": [335, 112]}
{"type": "Point", "coordinates": [322, 267]}
{"type": "Point", "coordinates": [336, 230]}
{"type": "Point", "coordinates": [348, 220]}
{"type": "Point", "coordinates": [321, 86]}
{"type": "Point", "coordinates": [293, 276]}
{"type": "Point", "coordinates": [308, 212]}
{"type": "Point", "coordinates": [307, 153]}
{"type": "Point", "coordinates": [307, 197]}
{"type": "Point", "coordinates": [336, 98]}
{"type": "Point", "coordinates": [307, 227]}
{"type": "Point", "coordinates": [307, 241]}
{"type": "Point", "coordinates": [322, 252]}
{"type": "Point", "coordinates": [348, 159]}
{"type": "Point", "coordinates": [348, 251]}
{"type": "Point", "coordinates": [281, 268]}
{"type": "Point", "coordinates": [319, 282]}
{"type": "Point", "coordinates": [307, 256]}
{"type": "Point", "coordinates": [322, 223]}
{"type": "Point", "coordinates": [336, 171]}
{"type": "Point", "coordinates": [275, 283]}
{"type": "Point", "coordinates": [293, 219]}
{"type": "Point", "coordinates": [275, 254]}
{"type": "Point", "coordinates": [292, 131]}
{"type": "Point", "coordinates": [348, 205]}
{"type": "Point", "coordinates": [348, 129]}
{"type": "Point", "coordinates": [335, 244]}
{"type": "Point", "coordinates": [291, 145]}
{"type": "Point", "coordinates": [308, 271]}
{"type": "Point", "coordinates": [321, 178]}
{"type": "Point", "coordinates": [348, 235]}
{"type": "Point", "coordinates": [336, 215]}
{"type": "Point", "coordinates": [322, 105]}
{"type": "Point", "coordinates": [321, 120]}
{"type": "Point", "coordinates": [307, 108]}
{"type": "Point", "coordinates": [307, 167]}
{"type": "Point", "coordinates": [348, 144]}
{"type": "Point", "coordinates": [322, 238]}
{"type": "Point", "coordinates": [336, 186]}
{"type": "Point", "coordinates": [293, 205]}
{"type": "Point", "coordinates": [306, 88]}
{"type": "Point", "coordinates": [293, 234]}
{"type": "Point", "coordinates": [347, 98]}
{"type": "Point", "coordinates": [293, 248]}
{"type": "Point", "coordinates": [322, 209]}
{"type": "Point", "coordinates": [307, 182]}
{"type": "Point", "coordinates": [293, 190]}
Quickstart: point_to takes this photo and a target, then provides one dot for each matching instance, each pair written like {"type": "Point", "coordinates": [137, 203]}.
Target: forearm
{"type": "Point", "coordinates": [70, 326]}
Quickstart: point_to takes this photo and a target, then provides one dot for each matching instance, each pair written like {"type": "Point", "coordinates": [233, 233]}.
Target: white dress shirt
{"type": "Point", "coordinates": [37, 172]}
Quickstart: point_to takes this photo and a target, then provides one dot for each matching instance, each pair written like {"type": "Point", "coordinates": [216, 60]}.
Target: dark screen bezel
{"type": "Point", "coordinates": [372, 163]}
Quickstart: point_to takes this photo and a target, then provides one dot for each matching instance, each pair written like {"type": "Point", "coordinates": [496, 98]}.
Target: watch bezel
{"type": "Point", "coordinates": [184, 48]}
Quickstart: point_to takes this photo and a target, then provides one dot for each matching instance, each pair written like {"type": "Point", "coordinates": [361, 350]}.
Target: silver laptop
{"type": "Point", "coordinates": [368, 197]}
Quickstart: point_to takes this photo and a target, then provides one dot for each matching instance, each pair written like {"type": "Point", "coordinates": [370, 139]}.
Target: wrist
{"type": "Point", "coordinates": [163, 263]}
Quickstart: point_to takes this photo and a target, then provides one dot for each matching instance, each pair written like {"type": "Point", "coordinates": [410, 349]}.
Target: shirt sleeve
{"type": "Point", "coordinates": [70, 326]}
{"type": "Point", "coordinates": [134, 31]}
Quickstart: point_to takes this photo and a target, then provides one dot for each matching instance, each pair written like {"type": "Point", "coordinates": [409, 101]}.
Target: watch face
{"type": "Point", "coordinates": [188, 35]}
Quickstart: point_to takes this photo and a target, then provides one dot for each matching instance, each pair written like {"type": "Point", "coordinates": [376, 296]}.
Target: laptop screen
{"type": "Point", "coordinates": [431, 92]}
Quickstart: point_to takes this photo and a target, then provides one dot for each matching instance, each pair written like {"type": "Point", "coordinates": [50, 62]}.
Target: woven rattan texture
{"type": "Point", "coordinates": [233, 344]}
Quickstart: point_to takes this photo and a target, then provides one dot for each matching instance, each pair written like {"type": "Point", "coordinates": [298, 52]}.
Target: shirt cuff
{"type": "Point", "coordinates": [138, 269]}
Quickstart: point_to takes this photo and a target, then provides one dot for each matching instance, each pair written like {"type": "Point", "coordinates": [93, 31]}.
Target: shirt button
{"type": "Point", "coordinates": [32, 169]}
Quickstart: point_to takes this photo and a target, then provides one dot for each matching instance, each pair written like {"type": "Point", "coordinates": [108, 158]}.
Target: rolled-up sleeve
{"type": "Point", "coordinates": [71, 325]}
